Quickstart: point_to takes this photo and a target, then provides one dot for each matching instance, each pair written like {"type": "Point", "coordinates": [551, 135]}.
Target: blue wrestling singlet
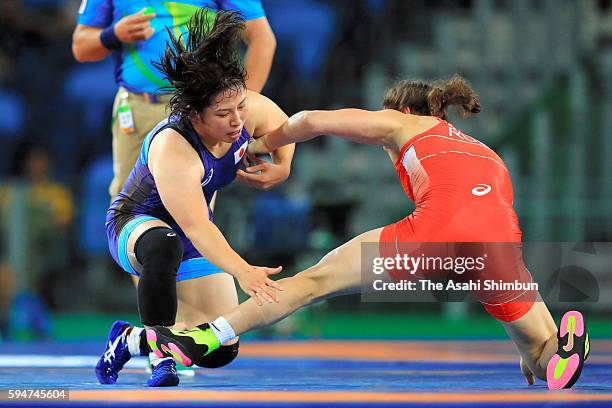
{"type": "Point", "coordinates": [139, 201]}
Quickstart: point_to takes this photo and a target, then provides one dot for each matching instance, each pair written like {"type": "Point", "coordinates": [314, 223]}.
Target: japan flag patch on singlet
{"type": "Point", "coordinates": [238, 154]}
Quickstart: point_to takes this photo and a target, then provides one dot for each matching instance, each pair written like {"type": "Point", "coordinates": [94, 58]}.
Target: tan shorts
{"type": "Point", "coordinates": [126, 146]}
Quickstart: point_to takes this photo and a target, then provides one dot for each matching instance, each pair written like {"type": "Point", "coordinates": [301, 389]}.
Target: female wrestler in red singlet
{"type": "Point", "coordinates": [463, 196]}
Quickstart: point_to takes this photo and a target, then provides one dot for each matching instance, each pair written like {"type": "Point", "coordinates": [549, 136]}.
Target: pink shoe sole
{"type": "Point", "coordinates": [179, 356]}
{"type": "Point", "coordinates": [565, 369]}
{"type": "Point", "coordinates": [565, 366]}
{"type": "Point", "coordinates": [169, 350]}
{"type": "Point", "coordinates": [579, 328]}
{"type": "Point", "coordinates": [152, 341]}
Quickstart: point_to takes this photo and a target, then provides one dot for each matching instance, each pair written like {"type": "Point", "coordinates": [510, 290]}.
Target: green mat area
{"type": "Point", "coordinates": [333, 326]}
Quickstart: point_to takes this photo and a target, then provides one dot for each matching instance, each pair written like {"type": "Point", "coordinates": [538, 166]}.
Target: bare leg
{"type": "Point", "coordinates": [204, 299]}
{"type": "Point", "coordinates": [535, 337]}
{"type": "Point", "coordinates": [339, 272]}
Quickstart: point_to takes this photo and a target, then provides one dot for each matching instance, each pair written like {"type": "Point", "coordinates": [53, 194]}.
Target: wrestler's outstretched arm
{"type": "Point", "coordinates": [356, 125]}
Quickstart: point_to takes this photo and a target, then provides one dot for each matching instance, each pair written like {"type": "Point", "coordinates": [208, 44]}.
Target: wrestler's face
{"type": "Point", "coordinates": [224, 119]}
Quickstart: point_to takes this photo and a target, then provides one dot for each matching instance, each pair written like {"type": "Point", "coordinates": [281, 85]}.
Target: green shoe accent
{"type": "Point", "coordinates": [152, 345]}
{"type": "Point", "coordinates": [560, 368]}
{"type": "Point", "coordinates": [571, 328]}
{"type": "Point", "coordinates": [587, 346]}
{"type": "Point", "coordinates": [200, 337]}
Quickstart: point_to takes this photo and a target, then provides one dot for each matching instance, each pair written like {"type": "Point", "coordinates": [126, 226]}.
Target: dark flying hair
{"type": "Point", "coordinates": [433, 99]}
{"type": "Point", "coordinates": [208, 64]}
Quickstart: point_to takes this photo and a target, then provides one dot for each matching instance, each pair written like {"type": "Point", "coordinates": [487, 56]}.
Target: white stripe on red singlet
{"type": "Point", "coordinates": [471, 154]}
{"type": "Point", "coordinates": [476, 141]}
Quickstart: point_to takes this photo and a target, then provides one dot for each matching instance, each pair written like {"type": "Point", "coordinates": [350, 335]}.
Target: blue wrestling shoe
{"type": "Point", "coordinates": [181, 370]}
{"type": "Point", "coordinates": [115, 355]}
{"type": "Point", "coordinates": [164, 374]}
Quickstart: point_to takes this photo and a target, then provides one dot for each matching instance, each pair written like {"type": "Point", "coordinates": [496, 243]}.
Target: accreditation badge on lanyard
{"type": "Point", "coordinates": [126, 118]}
{"type": "Point", "coordinates": [83, 6]}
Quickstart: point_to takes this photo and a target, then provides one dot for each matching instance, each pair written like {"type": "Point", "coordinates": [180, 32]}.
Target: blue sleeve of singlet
{"type": "Point", "coordinates": [250, 9]}
{"type": "Point", "coordinates": [96, 13]}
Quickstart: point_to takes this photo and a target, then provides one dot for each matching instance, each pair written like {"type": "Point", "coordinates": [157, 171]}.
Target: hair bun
{"type": "Point", "coordinates": [474, 106]}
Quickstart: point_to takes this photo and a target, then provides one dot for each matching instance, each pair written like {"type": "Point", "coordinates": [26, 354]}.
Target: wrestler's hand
{"type": "Point", "coordinates": [255, 282]}
{"type": "Point", "coordinates": [527, 373]}
{"type": "Point", "coordinates": [264, 175]}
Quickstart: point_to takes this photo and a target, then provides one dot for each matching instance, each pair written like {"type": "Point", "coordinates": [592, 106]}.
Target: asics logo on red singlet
{"type": "Point", "coordinates": [481, 189]}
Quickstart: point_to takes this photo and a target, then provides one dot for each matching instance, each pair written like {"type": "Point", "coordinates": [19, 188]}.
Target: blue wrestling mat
{"type": "Point", "coordinates": [311, 374]}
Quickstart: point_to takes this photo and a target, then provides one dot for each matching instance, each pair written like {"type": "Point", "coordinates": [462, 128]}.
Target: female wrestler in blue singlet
{"type": "Point", "coordinates": [160, 226]}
